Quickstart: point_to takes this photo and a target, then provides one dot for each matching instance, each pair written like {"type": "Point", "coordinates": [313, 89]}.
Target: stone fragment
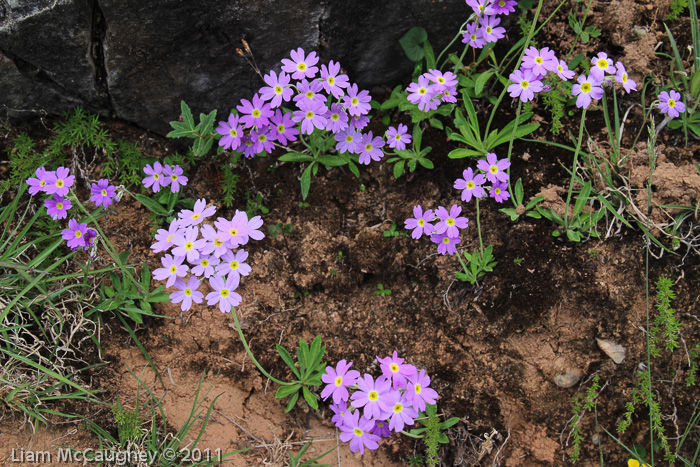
{"type": "Point", "coordinates": [612, 350]}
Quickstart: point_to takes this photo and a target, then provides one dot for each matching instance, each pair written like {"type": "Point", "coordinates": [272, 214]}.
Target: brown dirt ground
{"type": "Point", "coordinates": [492, 351]}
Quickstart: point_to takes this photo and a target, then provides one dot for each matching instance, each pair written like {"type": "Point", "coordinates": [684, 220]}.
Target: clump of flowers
{"type": "Point", "coordinates": [443, 225]}
{"type": "Point", "coordinates": [484, 28]}
{"type": "Point", "coordinates": [208, 252]}
{"type": "Point", "coordinates": [377, 407]}
{"type": "Point", "coordinates": [58, 183]}
{"type": "Point", "coordinates": [160, 176]}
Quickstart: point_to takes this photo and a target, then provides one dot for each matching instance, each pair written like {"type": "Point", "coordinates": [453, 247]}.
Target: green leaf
{"type": "Point", "coordinates": [202, 145]}
{"type": "Point", "coordinates": [534, 201]}
{"type": "Point", "coordinates": [180, 131]}
{"type": "Point", "coordinates": [695, 85]}
{"type": "Point", "coordinates": [108, 291]}
{"type": "Point", "coordinates": [159, 297]}
{"type": "Point", "coordinates": [306, 181]}
{"type": "Point", "coordinates": [353, 168]}
{"type": "Point", "coordinates": [398, 168]}
{"type": "Point", "coordinates": [573, 235]}
{"type": "Point", "coordinates": [292, 402]}
{"type": "Point", "coordinates": [287, 390]}
{"type": "Point", "coordinates": [429, 54]}
{"type": "Point", "coordinates": [295, 157]}
{"type": "Point", "coordinates": [510, 212]}
{"type": "Point", "coordinates": [331, 161]}
{"type": "Point", "coordinates": [417, 137]}
{"type": "Point", "coordinates": [449, 423]}
{"type": "Point", "coordinates": [187, 115]}
{"type": "Point", "coordinates": [582, 198]}
{"type": "Point", "coordinates": [462, 152]}
{"type": "Point", "coordinates": [287, 358]}
{"type": "Point", "coordinates": [411, 41]}
{"type": "Point", "coordinates": [435, 123]}
{"type": "Point", "coordinates": [310, 398]}
{"type": "Point", "coordinates": [151, 205]}
{"type": "Point", "coordinates": [519, 192]}
{"type": "Point", "coordinates": [481, 81]}
{"type": "Point", "coordinates": [427, 163]}
{"type": "Point", "coordinates": [145, 276]}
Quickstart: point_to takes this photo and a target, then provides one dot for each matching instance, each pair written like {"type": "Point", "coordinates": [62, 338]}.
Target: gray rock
{"type": "Point", "coordinates": [137, 60]}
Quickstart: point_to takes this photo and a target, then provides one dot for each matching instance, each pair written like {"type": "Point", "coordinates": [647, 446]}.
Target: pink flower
{"type": "Point", "coordinates": [223, 293]}
{"type": "Point", "coordinates": [397, 139]}
{"type": "Point", "coordinates": [333, 83]}
{"type": "Point", "coordinates": [445, 244]}
{"type": "Point", "coordinates": [370, 394]}
{"type": "Point", "coordinates": [256, 114]}
{"type": "Point", "coordinates": [102, 193]}
{"type": "Point", "coordinates": [277, 89]}
{"type": "Point", "coordinates": [494, 168]}
{"type": "Point", "coordinates": [602, 64]}
{"type": "Point", "coordinates": [418, 392]}
{"type": "Point", "coordinates": [470, 185]}
{"type": "Point", "coordinates": [499, 192]}
{"type": "Point", "coordinates": [371, 149]}
{"type": "Point", "coordinates": [357, 103]}
{"type": "Point", "coordinates": [171, 270]}
{"type": "Point", "coordinates": [587, 89]}
{"type": "Point", "coordinates": [525, 85]}
{"type": "Point", "coordinates": [337, 381]}
{"type": "Point", "coordinates": [59, 182]}
{"type": "Point", "coordinates": [187, 293]}
{"type": "Point", "coordinates": [421, 222]}
{"type": "Point", "coordinates": [621, 77]}
{"type": "Point", "coordinates": [540, 61]}
{"type": "Point", "coordinates": [474, 36]}
{"type": "Point", "coordinates": [38, 184]}
{"type": "Point", "coordinates": [357, 431]}
{"type": "Point", "coordinates": [301, 65]}
{"type": "Point", "coordinates": [57, 208]}
{"type": "Point", "coordinates": [155, 177]}
{"type": "Point", "coordinates": [450, 222]}
{"type": "Point", "coordinates": [231, 132]}
{"type": "Point", "coordinates": [394, 367]}
{"type": "Point", "coordinates": [670, 103]}
{"type": "Point", "coordinates": [563, 71]}
{"type": "Point", "coordinates": [174, 178]}
{"type": "Point", "coordinates": [233, 264]}
{"type": "Point", "coordinates": [490, 31]}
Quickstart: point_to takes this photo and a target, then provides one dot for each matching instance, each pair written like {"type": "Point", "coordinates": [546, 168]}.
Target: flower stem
{"type": "Point", "coordinates": [573, 170]}
{"type": "Point", "coordinates": [250, 353]}
{"type": "Point", "coordinates": [478, 227]}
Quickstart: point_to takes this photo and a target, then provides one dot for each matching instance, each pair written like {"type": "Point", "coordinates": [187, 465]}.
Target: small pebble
{"type": "Point", "coordinates": [569, 378]}
{"type": "Point", "coordinates": [612, 350]}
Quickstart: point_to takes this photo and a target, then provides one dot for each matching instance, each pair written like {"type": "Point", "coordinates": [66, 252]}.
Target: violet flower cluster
{"type": "Point", "coordinates": [485, 28]}
{"type": "Point", "coordinates": [322, 99]}
{"type": "Point", "coordinates": [538, 63]}
{"type": "Point", "coordinates": [160, 176]}
{"type": "Point", "coordinates": [432, 89]}
{"type": "Point", "coordinates": [445, 231]}
{"type": "Point", "coordinates": [57, 183]}
{"type": "Point", "coordinates": [379, 406]}
{"type": "Point", "coordinates": [205, 251]}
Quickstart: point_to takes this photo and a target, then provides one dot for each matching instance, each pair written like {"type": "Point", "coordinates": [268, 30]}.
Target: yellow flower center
{"type": "Point", "coordinates": [278, 89]}
{"type": "Point", "coordinates": [301, 66]}
{"type": "Point", "coordinates": [446, 240]}
{"type": "Point", "coordinates": [368, 147]}
{"type": "Point", "coordinates": [488, 29]}
{"type": "Point", "coordinates": [233, 232]}
{"type": "Point", "coordinates": [188, 292]}
{"type": "Point", "coordinates": [173, 177]}
{"type": "Point", "coordinates": [358, 432]}
{"type": "Point", "coordinates": [421, 222]}
{"type": "Point", "coordinates": [331, 80]}
{"type": "Point", "coordinates": [42, 183]}
{"type": "Point", "coordinates": [502, 3]}
{"type": "Point", "coordinates": [560, 68]}
{"type": "Point", "coordinates": [280, 128]}
{"type": "Point", "coordinates": [539, 60]}
{"type": "Point", "coordinates": [233, 264]}
{"type": "Point", "coordinates": [173, 269]}
{"type": "Point", "coordinates": [195, 216]}
{"type": "Point", "coordinates": [671, 103]}
{"type": "Point", "coordinates": [218, 242]}
{"type": "Point", "coordinates": [309, 114]}
{"type": "Point", "coordinates": [373, 396]}
{"type": "Point", "coordinates": [262, 138]}
{"type": "Point", "coordinates": [473, 37]}
{"type": "Point", "coordinates": [156, 177]}
{"type": "Point", "coordinates": [398, 408]}
{"type": "Point", "coordinates": [104, 192]}
{"type": "Point", "coordinates": [441, 80]}
{"type": "Point", "coordinates": [224, 293]}
{"type": "Point", "coordinates": [338, 381]}
{"type": "Point", "coordinates": [78, 234]}
{"type": "Point", "coordinates": [450, 221]}
{"type": "Point", "coordinates": [169, 239]}
{"type": "Point", "coordinates": [418, 389]}
{"type": "Point", "coordinates": [59, 183]}
{"type": "Point", "coordinates": [397, 137]}
{"type": "Point", "coordinates": [233, 132]}
{"type": "Point", "coordinates": [335, 117]}
{"type": "Point", "coordinates": [309, 94]}
{"type": "Point", "coordinates": [422, 91]}
{"type": "Point", "coordinates": [602, 63]}
{"type": "Point", "coordinates": [354, 101]}
{"type": "Point", "coordinates": [394, 366]}
{"type": "Point", "coordinates": [189, 245]}
{"type": "Point", "coordinates": [624, 78]}
{"type": "Point", "coordinates": [348, 139]}
{"type": "Point", "coordinates": [470, 185]}
{"type": "Point", "coordinates": [493, 169]}
{"type": "Point", "coordinates": [256, 113]}
{"type": "Point", "coordinates": [586, 87]}
{"type": "Point", "coordinates": [498, 191]}
{"type": "Point", "coordinates": [59, 205]}
{"type": "Point", "coordinates": [524, 84]}
{"type": "Point", "coordinates": [204, 262]}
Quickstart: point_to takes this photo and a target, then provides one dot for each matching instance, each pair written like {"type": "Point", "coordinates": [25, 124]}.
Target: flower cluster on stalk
{"type": "Point", "coordinates": [448, 223]}
{"type": "Point", "coordinates": [205, 251]}
{"type": "Point", "coordinates": [485, 27]}
{"type": "Point", "coordinates": [57, 183]}
{"type": "Point", "coordinates": [377, 407]}
{"type": "Point", "coordinates": [160, 176]}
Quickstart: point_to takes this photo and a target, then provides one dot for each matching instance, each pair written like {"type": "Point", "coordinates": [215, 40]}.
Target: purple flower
{"type": "Point", "coordinates": [449, 95]}
{"type": "Point", "coordinates": [223, 293]}
{"type": "Point", "coordinates": [563, 71]}
{"type": "Point", "coordinates": [277, 89]}
{"type": "Point", "coordinates": [310, 114]}
{"type": "Point", "coordinates": [540, 61]}
{"type": "Point", "coordinates": [442, 80]}
{"type": "Point", "coordinates": [418, 392]}
{"type": "Point", "coordinates": [397, 139]}
{"type": "Point", "coordinates": [499, 192]}
{"type": "Point", "coordinates": [231, 132]}
{"type": "Point", "coordinates": [39, 183]}
{"type": "Point", "coordinates": [187, 244]}
{"type": "Point", "coordinates": [357, 103]}
{"type": "Point", "coordinates": [59, 182]}
{"type": "Point", "coordinates": [340, 410]}
{"type": "Point", "coordinates": [421, 222]}
{"type": "Point", "coordinates": [233, 264]}
{"type": "Point", "coordinates": [494, 168]}
{"type": "Point", "coordinates": [187, 293]}
{"type": "Point", "coordinates": [445, 243]}
{"type": "Point", "coordinates": [57, 208]}
{"type": "Point", "coordinates": [257, 113]}
{"type": "Point", "coordinates": [195, 217]}
{"type": "Point", "coordinates": [358, 122]}
{"type": "Point", "coordinates": [450, 222]}
{"type": "Point", "coordinates": [670, 104]}
{"type": "Point", "coordinates": [503, 7]}
{"type": "Point", "coordinates": [155, 177]}
{"type": "Point", "coordinates": [261, 140]}
{"type": "Point", "coordinates": [381, 429]}
{"type": "Point", "coordinates": [394, 367]}
{"type": "Point", "coordinates": [421, 92]}
{"type": "Point", "coordinates": [370, 394]}
{"type": "Point", "coordinates": [348, 140]}
{"type": "Point", "coordinates": [357, 431]}
{"type": "Point", "coordinates": [75, 234]}
{"type": "Point", "coordinates": [587, 89]}
{"type": "Point", "coordinates": [337, 381]}
{"type": "Point", "coordinates": [480, 7]}
{"type": "Point", "coordinates": [337, 119]}
{"type": "Point", "coordinates": [371, 149]}
{"type": "Point", "coordinates": [474, 36]}
{"type": "Point", "coordinates": [216, 242]}
{"type": "Point", "coordinates": [171, 270]}
{"type": "Point", "coordinates": [332, 82]}
{"type": "Point", "coordinates": [309, 91]}
{"type": "Point", "coordinates": [525, 85]}
{"type": "Point", "coordinates": [282, 128]}
{"type": "Point", "coordinates": [102, 193]}
{"type": "Point", "coordinates": [235, 231]}
{"type": "Point", "coordinates": [205, 266]}
{"type": "Point", "coordinates": [164, 238]}
{"type": "Point", "coordinates": [174, 177]}
{"type": "Point", "coordinates": [470, 185]}
{"type": "Point", "coordinates": [602, 64]}
{"type": "Point", "coordinates": [301, 65]}
{"type": "Point", "coordinates": [490, 31]}
{"type": "Point", "coordinates": [247, 146]}
{"type": "Point", "coordinates": [402, 413]}
{"type": "Point", "coordinates": [621, 77]}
